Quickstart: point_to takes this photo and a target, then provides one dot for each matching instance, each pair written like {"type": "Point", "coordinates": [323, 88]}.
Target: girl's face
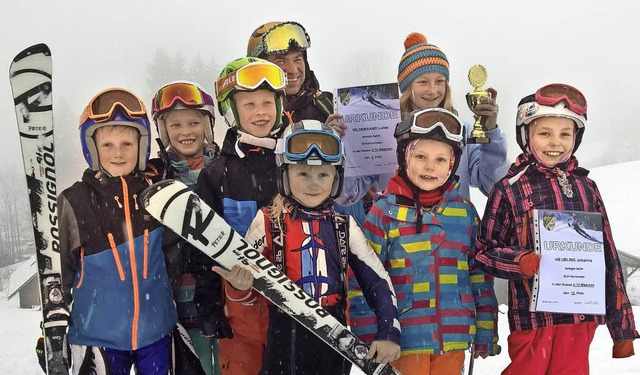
{"type": "Point", "coordinates": [429, 163]}
{"type": "Point", "coordinates": [117, 149]}
{"type": "Point", "coordinates": [552, 139]}
{"type": "Point", "coordinates": [311, 184]}
{"type": "Point", "coordinates": [428, 90]}
{"type": "Point", "coordinates": [185, 128]}
{"type": "Point", "coordinates": [256, 111]}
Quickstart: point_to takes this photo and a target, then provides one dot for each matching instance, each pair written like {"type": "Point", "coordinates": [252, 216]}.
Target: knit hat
{"type": "Point", "coordinates": [419, 58]}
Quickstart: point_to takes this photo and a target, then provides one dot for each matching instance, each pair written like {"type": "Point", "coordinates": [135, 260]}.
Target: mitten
{"type": "Point", "coordinates": [529, 264]}
{"type": "Point", "coordinates": [213, 323]}
{"type": "Point", "coordinates": [623, 349]}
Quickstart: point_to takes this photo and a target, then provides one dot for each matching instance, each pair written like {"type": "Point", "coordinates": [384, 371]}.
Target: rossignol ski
{"type": "Point", "coordinates": [30, 77]}
{"type": "Point", "coordinates": [178, 208]}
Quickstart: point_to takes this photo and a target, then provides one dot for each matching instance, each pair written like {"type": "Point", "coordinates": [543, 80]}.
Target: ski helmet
{"type": "Point", "coordinates": [309, 142]}
{"type": "Point", "coordinates": [430, 123]}
{"type": "Point", "coordinates": [249, 74]}
{"type": "Point", "coordinates": [274, 38]}
{"type": "Point", "coordinates": [114, 106]}
{"type": "Point", "coordinates": [181, 95]}
{"type": "Point", "coordinates": [554, 100]}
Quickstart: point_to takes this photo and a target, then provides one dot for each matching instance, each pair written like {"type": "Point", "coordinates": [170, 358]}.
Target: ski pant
{"type": "Point", "coordinates": [149, 360]}
{"type": "Point", "coordinates": [293, 349]}
{"type": "Point", "coordinates": [450, 363]}
{"type": "Point", "coordinates": [207, 349]}
{"type": "Point", "coordinates": [556, 350]}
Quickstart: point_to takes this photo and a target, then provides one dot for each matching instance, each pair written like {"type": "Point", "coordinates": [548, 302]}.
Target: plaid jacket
{"type": "Point", "coordinates": [506, 234]}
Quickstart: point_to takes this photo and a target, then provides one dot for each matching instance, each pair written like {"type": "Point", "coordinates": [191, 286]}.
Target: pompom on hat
{"type": "Point", "coordinates": [419, 58]}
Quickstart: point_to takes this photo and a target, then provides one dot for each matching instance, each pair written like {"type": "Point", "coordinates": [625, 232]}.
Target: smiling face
{"type": "Point", "coordinates": [552, 139]}
{"type": "Point", "coordinates": [256, 111]}
{"type": "Point", "coordinates": [311, 184]}
{"type": "Point", "coordinates": [428, 90]}
{"type": "Point", "coordinates": [292, 63]}
{"type": "Point", "coordinates": [186, 131]}
{"type": "Point", "coordinates": [429, 163]}
{"type": "Point", "coordinates": [117, 149]}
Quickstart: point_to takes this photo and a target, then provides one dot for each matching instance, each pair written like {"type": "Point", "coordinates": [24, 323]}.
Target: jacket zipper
{"type": "Point", "coordinates": [145, 272]}
{"type": "Point", "coordinates": [114, 250]}
{"type": "Point", "coordinates": [81, 267]}
{"type": "Point", "coordinates": [132, 262]}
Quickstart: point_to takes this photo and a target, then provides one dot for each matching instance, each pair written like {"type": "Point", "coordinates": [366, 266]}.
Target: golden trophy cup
{"type": "Point", "coordinates": [477, 79]}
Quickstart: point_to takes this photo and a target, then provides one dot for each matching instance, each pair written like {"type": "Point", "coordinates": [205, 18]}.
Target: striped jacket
{"type": "Point", "coordinates": [506, 234]}
{"type": "Point", "coordinates": [445, 301]}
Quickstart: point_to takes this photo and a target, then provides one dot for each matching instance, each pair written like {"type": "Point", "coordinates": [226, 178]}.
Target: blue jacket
{"type": "Point", "coordinates": [113, 264]}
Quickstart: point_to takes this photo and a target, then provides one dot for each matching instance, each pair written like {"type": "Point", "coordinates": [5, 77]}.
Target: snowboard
{"type": "Point", "coordinates": [30, 75]}
{"type": "Point", "coordinates": [178, 208]}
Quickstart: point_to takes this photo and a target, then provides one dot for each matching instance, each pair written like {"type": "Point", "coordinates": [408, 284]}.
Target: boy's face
{"type": "Point", "coordinates": [429, 163]}
{"type": "Point", "coordinates": [292, 63]}
{"type": "Point", "coordinates": [311, 184]}
{"type": "Point", "coordinates": [256, 111]}
{"type": "Point", "coordinates": [117, 149]}
{"type": "Point", "coordinates": [185, 128]}
{"type": "Point", "coordinates": [552, 139]}
{"type": "Point", "coordinates": [428, 90]}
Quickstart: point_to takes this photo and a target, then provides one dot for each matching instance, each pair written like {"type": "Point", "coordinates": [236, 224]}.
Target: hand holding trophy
{"type": "Point", "coordinates": [477, 79]}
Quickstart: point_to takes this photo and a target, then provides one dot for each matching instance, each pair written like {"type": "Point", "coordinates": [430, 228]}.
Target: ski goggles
{"type": "Point", "coordinates": [250, 77]}
{"type": "Point", "coordinates": [187, 93]}
{"type": "Point", "coordinates": [101, 108]}
{"type": "Point", "coordinates": [425, 121]}
{"type": "Point", "coordinates": [279, 38]}
{"type": "Point", "coordinates": [552, 94]}
{"type": "Point", "coordinates": [301, 144]}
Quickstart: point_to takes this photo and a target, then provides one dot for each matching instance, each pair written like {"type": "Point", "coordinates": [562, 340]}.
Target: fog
{"type": "Point", "coordinates": [523, 45]}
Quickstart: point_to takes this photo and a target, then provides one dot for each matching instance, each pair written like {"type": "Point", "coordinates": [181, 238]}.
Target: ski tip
{"type": "Point", "coordinates": [149, 192]}
{"type": "Point", "coordinates": [34, 49]}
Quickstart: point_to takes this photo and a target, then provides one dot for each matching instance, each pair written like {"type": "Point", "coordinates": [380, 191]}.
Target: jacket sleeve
{"type": "Point", "coordinates": [487, 162]}
{"type": "Point", "coordinates": [375, 283]}
{"type": "Point", "coordinates": [498, 250]}
{"type": "Point", "coordinates": [355, 187]}
{"type": "Point", "coordinates": [620, 319]}
{"type": "Point", "coordinates": [486, 338]}
{"type": "Point", "coordinates": [69, 245]}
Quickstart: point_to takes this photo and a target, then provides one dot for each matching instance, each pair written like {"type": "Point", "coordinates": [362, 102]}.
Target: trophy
{"type": "Point", "coordinates": [477, 78]}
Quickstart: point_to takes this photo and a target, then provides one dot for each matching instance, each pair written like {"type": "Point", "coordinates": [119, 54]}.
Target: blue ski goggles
{"type": "Point", "coordinates": [303, 144]}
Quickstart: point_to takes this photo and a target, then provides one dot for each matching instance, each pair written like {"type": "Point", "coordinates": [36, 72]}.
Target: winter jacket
{"type": "Point", "coordinates": [481, 166]}
{"type": "Point", "coordinates": [312, 261]}
{"type": "Point", "coordinates": [113, 264]}
{"type": "Point", "coordinates": [445, 301]}
{"type": "Point", "coordinates": [506, 234]}
{"type": "Point", "coordinates": [236, 185]}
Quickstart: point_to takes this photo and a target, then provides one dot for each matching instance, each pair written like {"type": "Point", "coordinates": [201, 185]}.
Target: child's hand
{"type": "Point", "coordinates": [240, 278]}
{"type": "Point", "coordinates": [384, 351]}
{"type": "Point", "coordinates": [529, 264]}
{"type": "Point", "coordinates": [623, 349]}
{"type": "Point", "coordinates": [488, 109]}
{"type": "Point", "coordinates": [334, 121]}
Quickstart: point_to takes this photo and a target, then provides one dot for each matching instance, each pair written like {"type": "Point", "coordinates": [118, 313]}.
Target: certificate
{"type": "Point", "coordinates": [571, 278]}
{"type": "Point", "coordinates": [371, 114]}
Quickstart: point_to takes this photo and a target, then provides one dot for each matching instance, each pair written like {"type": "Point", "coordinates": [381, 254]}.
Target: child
{"type": "Point", "coordinates": [184, 118]}
{"type": "Point", "coordinates": [424, 231]}
{"type": "Point", "coordinates": [310, 159]}
{"type": "Point", "coordinates": [113, 265]}
{"type": "Point", "coordinates": [236, 185]}
{"type": "Point", "coordinates": [549, 128]}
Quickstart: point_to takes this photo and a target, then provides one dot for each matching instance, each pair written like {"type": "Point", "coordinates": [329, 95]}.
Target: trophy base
{"type": "Point", "coordinates": [478, 140]}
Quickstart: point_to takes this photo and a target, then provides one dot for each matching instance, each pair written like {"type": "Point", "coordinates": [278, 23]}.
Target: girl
{"type": "Point", "coordinates": [549, 128]}
{"type": "Point", "coordinates": [423, 231]}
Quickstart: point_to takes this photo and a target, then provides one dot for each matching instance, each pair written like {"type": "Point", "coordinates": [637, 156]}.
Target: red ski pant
{"type": "Point", "coordinates": [450, 363]}
{"type": "Point", "coordinates": [555, 350]}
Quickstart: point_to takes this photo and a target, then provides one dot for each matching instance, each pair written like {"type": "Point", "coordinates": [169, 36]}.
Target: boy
{"type": "Point", "coordinates": [113, 265]}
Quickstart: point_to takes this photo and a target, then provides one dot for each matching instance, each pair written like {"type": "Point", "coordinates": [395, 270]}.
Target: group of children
{"type": "Point", "coordinates": [423, 263]}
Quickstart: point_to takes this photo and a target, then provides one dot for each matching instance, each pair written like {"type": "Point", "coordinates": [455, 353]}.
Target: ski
{"type": "Point", "coordinates": [30, 77]}
{"type": "Point", "coordinates": [178, 208]}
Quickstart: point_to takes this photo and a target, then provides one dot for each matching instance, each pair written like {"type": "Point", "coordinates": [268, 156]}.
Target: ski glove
{"type": "Point", "coordinates": [214, 323]}
{"type": "Point", "coordinates": [623, 349]}
{"type": "Point", "coordinates": [529, 264]}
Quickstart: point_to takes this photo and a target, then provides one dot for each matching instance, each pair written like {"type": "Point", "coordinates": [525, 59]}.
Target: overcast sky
{"type": "Point", "coordinates": [523, 45]}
